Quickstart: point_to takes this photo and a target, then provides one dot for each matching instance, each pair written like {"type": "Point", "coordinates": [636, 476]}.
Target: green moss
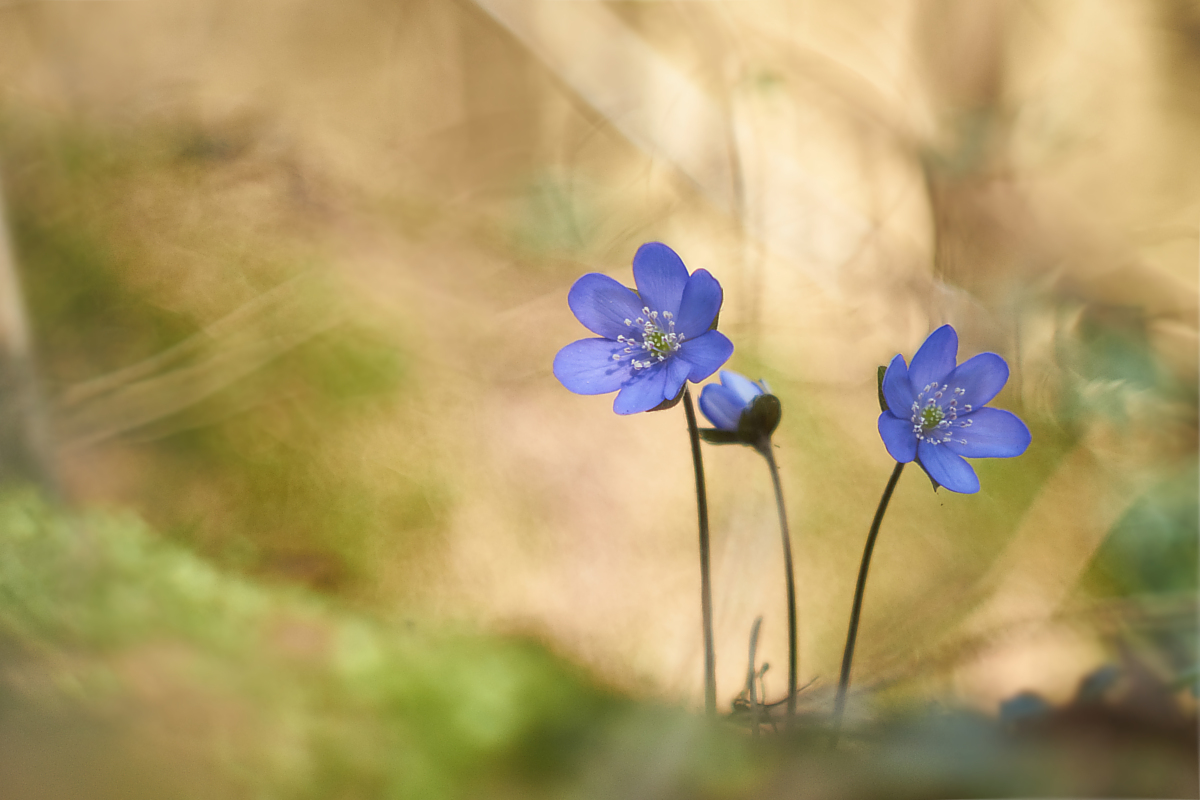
{"type": "Point", "coordinates": [365, 711]}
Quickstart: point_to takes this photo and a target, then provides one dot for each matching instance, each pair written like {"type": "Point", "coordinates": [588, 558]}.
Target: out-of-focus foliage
{"type": "Point", "coordinates": [1153, 549]}
{"type": "Point", "coordinates": [135, 669]}
{"type": "Point", "coordinates": [280, 694]}
{"type": "Point", "coordinates": [295, 273]}
{"type": "Point", "coordinates": [262, 441]}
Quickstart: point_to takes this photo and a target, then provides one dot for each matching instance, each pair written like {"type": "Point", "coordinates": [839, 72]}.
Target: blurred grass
{"type": "Point", "coordinates": [186, 681]}
{"type": "Point", "coordinates": [101, 620]}
{"type": "Point", "coordinates": [265, 445]}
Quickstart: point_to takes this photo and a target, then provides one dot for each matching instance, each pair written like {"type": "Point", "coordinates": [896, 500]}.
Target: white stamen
{"type": "Point", "coordinates": [657, 341]}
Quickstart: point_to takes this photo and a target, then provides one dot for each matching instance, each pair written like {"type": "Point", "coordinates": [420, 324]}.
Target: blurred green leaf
{"type": "Point", "coordinates": [1155, 548]}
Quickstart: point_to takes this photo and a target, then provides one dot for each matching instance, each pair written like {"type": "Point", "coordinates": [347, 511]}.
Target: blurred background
{"type": "Point", "coordinates": [280, 289]}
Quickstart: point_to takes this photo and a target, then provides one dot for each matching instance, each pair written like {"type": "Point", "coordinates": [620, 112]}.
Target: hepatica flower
{"type": "Point", "coordinates": [652, 341]}
{"type": "Point", "coordinates": [937, 412]}
{"type": "Point", "coordinates": [742, 411]}
{"type": "Point", "coordinates": [724, 402]}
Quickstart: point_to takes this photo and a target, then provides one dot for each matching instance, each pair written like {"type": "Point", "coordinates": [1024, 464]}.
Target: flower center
{"type": "Point", "coordinates": [653, 341]}
{"type": "Point", "coordinates": [935, 414]}
{"type": "Point", "coordinates": [657, 341]}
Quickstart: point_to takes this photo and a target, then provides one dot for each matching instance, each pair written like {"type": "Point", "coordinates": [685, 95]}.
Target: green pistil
{"type": "Point", "coordinates": [658, 343]}
{"type": "Point", "coordinates": [930, 417]}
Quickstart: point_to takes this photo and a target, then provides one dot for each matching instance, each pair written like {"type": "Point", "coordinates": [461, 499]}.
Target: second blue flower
{"type": "Point", "coordinates": [937, 412]}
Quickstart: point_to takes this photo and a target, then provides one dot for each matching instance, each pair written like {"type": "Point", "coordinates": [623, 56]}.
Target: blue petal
{"type": "Point", "coordinates": [587, 366]}
{"type": "Point", "coordinates": [643, 391]}
{"type": "Point", "coordinates": [934, 360]}
{"type": "Point", "coordinates": [993, 433]}
{"type": "Point", "coordinates": [898, 437]}
{"type": "Point", "coordinates": [947, 468]}
{"type": "Point", "coordinates": [981, 377]}
{"type": "Point", "coordinates": [897, 390]}
{"type": "Point", "coordinates": [721, 406]}
{"type": "Point", "coordinates": [743, 388]}
{"type": "Point", "coordinates": [705, 354]}
{"type": "Point", "coordinates": [701, 301]}
{"type": "Point", "coordinates": [660, 277]}
{"type": "Point", "coordinates": [677, 375]}
{"type": "Point", "coordinates": [603, 305]}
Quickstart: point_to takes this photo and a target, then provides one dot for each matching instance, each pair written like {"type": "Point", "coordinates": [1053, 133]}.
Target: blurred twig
{"type": "Point", "coordinates": [752, 675]}
{"type": "Point", "coordinates": [24, 439]}
{"type": "Point", "coordinates": [230, 349]}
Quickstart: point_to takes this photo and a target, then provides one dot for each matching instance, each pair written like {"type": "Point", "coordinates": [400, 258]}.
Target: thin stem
{"type": "Point", "coordinates": [839, 704]}
{"type": "Point", "coordinates": [710, 658]}
{"type": "Point", "coordinates": [790, 577]}
{"type": "Point", "coordinates": [752, 675]}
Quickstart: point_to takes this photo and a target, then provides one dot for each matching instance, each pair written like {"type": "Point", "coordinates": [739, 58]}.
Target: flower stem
{"type": "Point", "coordinates": [790, 577]}
{"type": "Point", "coordinates": [710, 658]}
{"type": "Point", "coordinates": [839, 704]}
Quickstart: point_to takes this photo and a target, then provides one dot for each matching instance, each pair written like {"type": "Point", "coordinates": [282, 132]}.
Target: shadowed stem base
{"type": "Point", "coordinates": [710, 659]}
{"type": "Point", "coordinates": [839, 704]}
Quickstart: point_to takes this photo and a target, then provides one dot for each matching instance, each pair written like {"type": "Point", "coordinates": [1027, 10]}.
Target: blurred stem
{"type": "Point", "coordinates": [710, 659]}
{"type": "Point", "coordinates": [839, 704]}
{"type": "Point", "coordinates": [765, 448]}
{"type": "Point", "coordinates": [752, 676]}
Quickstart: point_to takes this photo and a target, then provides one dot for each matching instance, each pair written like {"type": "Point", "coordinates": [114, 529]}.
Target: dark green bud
{"type": "Point", "coordinates": [758, 421]}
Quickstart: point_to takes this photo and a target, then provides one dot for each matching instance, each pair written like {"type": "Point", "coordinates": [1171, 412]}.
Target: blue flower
{"type": "Point", "coordinates": [653, 340]}
{"type": "Point", "coordinates": [936, 412]}
{"type": "Point", "coordinates": [724, 403]}
{"type": "Point", "coordinates": [742, 411]}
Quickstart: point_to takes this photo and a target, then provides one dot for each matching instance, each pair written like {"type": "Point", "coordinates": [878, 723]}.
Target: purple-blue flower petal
{"type": "Point", "coordinates": [587, 366]}
{"type": "Point", "coordinates": [934, 360]}
{"type": "Point", "coordinates": [898, 437]}
{"type": "Point", "coordinates": [897, 390]}
{"type": "Point", "coordinates": [947, 468]}
{"type": "Point", "coordinates": [721, 406]}
{"type": "Point", "coordinates": [643, 392]}
{"type": "Point", "coordinates": [993, 433]}
{"type": "Point", "coordinates": [677, 375]}
{"type": "Point", "coordinates": [701, 301]}
{"type": "Point", "coordinates": [603, 305]}
{"type": "Point", "coordinates": [743, 388]}
{"type": "Point", "coordinates": [660, 276]}
{"type": "Point", "coordinates": [705, 354]}
{"type": "Point", "coordinates": [981, 377]}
